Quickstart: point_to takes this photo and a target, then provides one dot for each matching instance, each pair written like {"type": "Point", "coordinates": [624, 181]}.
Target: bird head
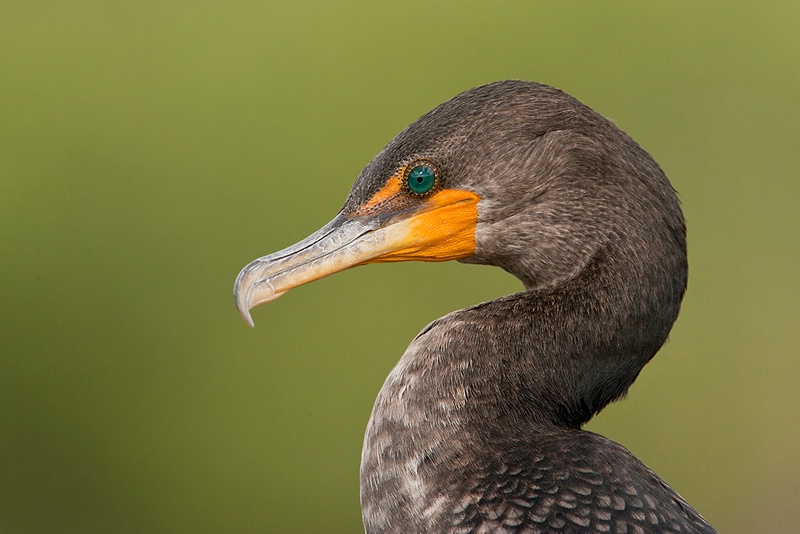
{"type": "Point", "coordinates": [514, 174]}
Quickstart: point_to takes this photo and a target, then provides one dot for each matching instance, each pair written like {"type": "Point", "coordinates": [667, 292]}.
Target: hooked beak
{"type": "Point", "coordinates": [442, 228]}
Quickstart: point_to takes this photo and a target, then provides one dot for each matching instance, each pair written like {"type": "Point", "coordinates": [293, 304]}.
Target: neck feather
{"type": "Point", "coordinates": [538, 361]}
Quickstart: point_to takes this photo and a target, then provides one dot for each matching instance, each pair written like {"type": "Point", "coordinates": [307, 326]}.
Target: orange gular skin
{"type": "Point", "coordinates": [441, 229]}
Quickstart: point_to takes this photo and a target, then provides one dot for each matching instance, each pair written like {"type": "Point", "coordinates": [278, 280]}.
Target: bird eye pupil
{"type": "Point", "coordinates": [421, 179]}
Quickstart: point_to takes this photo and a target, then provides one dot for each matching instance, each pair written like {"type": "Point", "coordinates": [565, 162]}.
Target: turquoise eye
{"type": "Point", "coordinates": [421, 179]}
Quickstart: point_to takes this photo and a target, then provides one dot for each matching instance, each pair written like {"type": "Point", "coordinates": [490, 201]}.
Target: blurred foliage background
{"type": "Point", "coordinates": [149, 150]}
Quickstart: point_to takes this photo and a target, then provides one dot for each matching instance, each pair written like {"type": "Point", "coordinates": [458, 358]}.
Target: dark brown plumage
{"type": "Point", "coordinates": [477, 429]}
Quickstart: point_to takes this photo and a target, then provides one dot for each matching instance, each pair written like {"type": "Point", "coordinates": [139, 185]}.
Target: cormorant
{"type": "Point", "coordinates": [478, 427]}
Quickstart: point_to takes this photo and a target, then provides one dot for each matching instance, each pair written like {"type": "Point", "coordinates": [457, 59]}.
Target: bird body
{"type": "Point", "coordinates": [478, 427]}
{"type": "Point", "coordinates": [468, 458]}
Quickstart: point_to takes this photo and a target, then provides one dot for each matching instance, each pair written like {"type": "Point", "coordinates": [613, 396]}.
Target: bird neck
{"type": "Point", "coordinates": [506, 371]}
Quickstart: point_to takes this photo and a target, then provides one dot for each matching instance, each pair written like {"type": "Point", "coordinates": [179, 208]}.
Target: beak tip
{"type": "Point", "coordinates": [244, 312]}
{"type": "Point", "coordinates": [241, 298]}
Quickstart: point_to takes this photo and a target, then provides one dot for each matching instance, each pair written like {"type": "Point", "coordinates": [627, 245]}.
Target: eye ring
{"type": "Point", "coordinates": [420, 177]}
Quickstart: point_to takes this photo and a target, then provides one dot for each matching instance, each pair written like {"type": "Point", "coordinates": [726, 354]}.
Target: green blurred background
{"type": "Point", "coordinates": [149, 150]}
